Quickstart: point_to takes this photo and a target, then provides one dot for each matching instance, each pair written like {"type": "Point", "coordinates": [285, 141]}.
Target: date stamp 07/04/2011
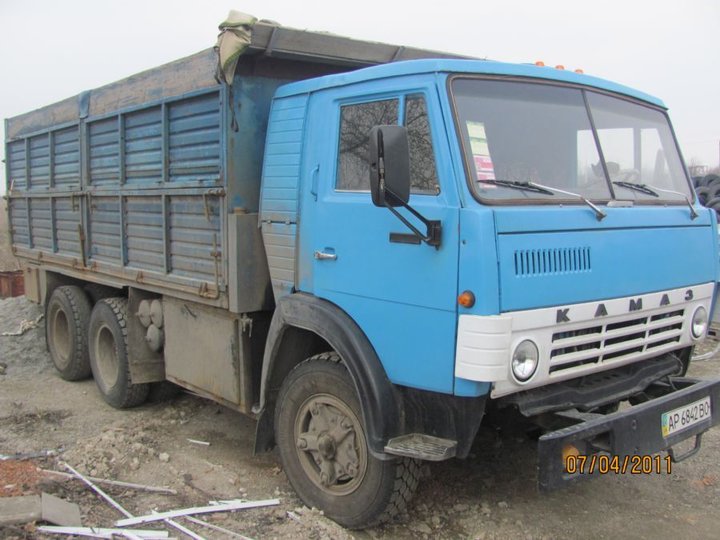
{"type": "Point", "coordinates": [606, 464]}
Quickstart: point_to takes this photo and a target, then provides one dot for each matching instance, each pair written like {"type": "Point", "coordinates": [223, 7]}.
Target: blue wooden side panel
{"type": "Point", "coordinates": [144, 231]}
{"type": "Point", "coordinates": [143, 146]}
{"type": "Point", "coordinates": [67, 221]}
{"type": "Point", "coordinates": [194, 149]}
{"type": "Point", "coordinates": [104, 228]}
{"type": "Point", "coordinates": [41, 229]}
{"type": "Point", "coordinates": [39, 162]}
{"type": "Point", "coordinates": [143, 188]}
{"type": "Point", "coordinates": [66, 158]}
{"type": "Point", "coordinates": [19, 227]}
{"type": "Point", "coordinates": [194, 233]}
{"type": "Point", "coordinates": [17, 173]}
{"type": "Point", "coordinates": [104, 152]}
{"type": "Point", "coordinates": [280, 189]}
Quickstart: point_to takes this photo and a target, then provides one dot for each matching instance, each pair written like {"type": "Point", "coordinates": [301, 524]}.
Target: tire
{"type": "Point", "coordinates": [703, 194]}
{"type": "Point", "coordinates": [713, 190]}
{"type": "Point", "coordinates": [710, 179]}
{"type": "Point", "coordinates": [336, 473]}
{"type": "Point", "coordinates": [66, 322]}
{"type": "Point", "coordinates": [713, 203]}
{"type": "Point", "coordinates": [107, 345]}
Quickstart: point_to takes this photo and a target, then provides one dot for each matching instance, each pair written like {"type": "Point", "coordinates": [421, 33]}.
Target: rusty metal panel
{"type": "Point", "coordinates": [11, 284]}
{"type": "Point", "coordinates": [201, 348]}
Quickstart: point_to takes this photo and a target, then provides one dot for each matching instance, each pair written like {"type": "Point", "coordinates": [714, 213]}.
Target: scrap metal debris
{"type": "Point", "coordinates": [98, 532]}
{"type": "Point", "coordinates": [201, 443]}
{"type": "Point", "coordinates": [118, 483]}
{"type": "Point", "coordinates": [25, 325]}
{"type": "Point", "coordinates": [225, 507]}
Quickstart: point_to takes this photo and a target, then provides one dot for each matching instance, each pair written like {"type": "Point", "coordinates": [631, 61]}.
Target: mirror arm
{"type": "Point", "coordinates": [434, 227]}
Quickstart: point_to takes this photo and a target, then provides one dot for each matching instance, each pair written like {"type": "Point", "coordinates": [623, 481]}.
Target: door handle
{"type": "Point", "coordinates": [323, 256]}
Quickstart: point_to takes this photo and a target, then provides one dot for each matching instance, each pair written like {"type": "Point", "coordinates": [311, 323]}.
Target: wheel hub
{"type": "Point", "coordinates": [327, 444]}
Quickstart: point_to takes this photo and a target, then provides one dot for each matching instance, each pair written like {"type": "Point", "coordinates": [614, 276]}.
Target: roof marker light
{"type": "Point", "coordinates": [540, 63]}
{"type": "Point", "coordinates": [580, 71]}
{"type": "Point", "coordinates": [559, 66]}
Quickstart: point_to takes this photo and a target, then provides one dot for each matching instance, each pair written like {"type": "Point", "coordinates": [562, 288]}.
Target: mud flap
{"type": "Point", "coordinates": [639, 430]}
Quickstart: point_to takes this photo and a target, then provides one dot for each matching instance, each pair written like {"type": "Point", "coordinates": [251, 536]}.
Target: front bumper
{"type": "Point", "coordinates": [636, 431]}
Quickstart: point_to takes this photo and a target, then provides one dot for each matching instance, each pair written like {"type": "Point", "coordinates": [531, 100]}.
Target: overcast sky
{"type": "Point", "coordinates": [50, 50]}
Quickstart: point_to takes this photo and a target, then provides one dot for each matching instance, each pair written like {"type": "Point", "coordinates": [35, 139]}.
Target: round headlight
{"type": "Point", "coordinates": [699, 323]}
{"type": "Point", "coordinates": [525, 360]}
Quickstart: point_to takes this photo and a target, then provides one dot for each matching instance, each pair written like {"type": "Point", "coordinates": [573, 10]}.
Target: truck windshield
{"type": "Point", "coordinates": [518, 134]}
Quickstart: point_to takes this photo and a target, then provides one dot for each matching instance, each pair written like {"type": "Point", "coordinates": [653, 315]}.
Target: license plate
{"type": "Point", "coordinates": [686, 416]}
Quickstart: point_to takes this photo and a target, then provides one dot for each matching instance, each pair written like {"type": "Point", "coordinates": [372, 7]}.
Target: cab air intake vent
{"type": "Point", "coordinates": [547, 262]}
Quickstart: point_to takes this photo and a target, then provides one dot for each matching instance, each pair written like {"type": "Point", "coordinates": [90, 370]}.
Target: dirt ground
{"type": "Point", "coordinates": [491, 495]}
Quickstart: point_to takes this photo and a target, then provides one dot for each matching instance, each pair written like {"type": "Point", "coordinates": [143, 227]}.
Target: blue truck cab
{"type": "Point", "coordinates": [573, 268]}
{"type": "Point", "coordinates": [370, 249]}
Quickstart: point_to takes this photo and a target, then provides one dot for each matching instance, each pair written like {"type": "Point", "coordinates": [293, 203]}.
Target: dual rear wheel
{"type": "Point", "coordinates": [83, 339]}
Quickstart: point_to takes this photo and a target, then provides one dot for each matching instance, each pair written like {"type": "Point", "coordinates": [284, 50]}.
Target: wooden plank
{"type": "Point", "coordinates": [20, 509]}
{"type": "Point", "coordinates": [59, 511]}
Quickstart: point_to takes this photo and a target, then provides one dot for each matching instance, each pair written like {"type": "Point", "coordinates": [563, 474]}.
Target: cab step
{"type": "Point", "coordinates": [421, 446]}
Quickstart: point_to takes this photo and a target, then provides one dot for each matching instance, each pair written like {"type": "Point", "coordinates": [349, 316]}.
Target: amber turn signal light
{"type": "Point", "coordinates": [466, 299]}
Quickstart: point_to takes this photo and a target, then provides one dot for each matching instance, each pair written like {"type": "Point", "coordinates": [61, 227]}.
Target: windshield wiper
{"type": "Point", "coordinates": [642, 188]}
{"type": "Point", "coordinates": [522, 186]}
{"type": "Point", "coordinates": [599, 214]}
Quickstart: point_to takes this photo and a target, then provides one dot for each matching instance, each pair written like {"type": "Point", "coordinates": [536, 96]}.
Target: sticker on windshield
{"type": "Point", "coordinates": [480, 151]}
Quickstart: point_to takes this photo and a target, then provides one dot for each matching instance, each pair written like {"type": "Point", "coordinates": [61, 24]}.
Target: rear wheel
{"type": "Point", "coordinates": [107, 339]}
{"type": "Point", "coordinates": [323, 447]}
{"type": "Point", "coordinates": [68, 314]}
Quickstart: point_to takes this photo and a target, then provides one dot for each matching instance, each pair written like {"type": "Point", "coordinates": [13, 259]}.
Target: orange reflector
{"type": "Point", "coordinates": [540, 63]}
{"type": "Point", "coordinates": [559, 66]}
{"type": "Point", "coordinates": [579, 71]}
{"type": "Point", "coordinates": [466, 299]}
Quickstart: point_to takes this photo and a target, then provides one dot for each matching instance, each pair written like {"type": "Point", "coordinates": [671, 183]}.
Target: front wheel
{"type": "Point", "coordinates": [323, 447]}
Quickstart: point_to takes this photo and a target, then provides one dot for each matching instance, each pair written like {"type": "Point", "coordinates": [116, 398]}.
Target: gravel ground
{"type": "Point", "coordinates": [491, 495]}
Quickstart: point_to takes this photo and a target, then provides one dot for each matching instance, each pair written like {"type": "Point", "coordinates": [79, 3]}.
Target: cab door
{"type": "Point", "coordinates": [400, 291]}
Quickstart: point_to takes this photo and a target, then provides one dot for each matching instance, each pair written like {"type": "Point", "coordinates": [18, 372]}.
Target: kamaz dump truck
{"type": "Point", "coordinates": [365, 248]}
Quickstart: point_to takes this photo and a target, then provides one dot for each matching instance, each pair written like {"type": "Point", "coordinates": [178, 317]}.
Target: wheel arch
{"type": "Point", "coordinates": [303, 325]}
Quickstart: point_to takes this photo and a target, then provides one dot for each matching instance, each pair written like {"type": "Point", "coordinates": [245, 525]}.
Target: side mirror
{"type": "Point", "coordinates": [389, 158]}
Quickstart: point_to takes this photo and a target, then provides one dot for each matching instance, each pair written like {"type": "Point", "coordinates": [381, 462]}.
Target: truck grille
{"type": "Point", "coordinates": [614, 341]}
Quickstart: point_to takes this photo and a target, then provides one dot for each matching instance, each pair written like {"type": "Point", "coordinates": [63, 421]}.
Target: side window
{"type": "Point", "coordinates": [356, 121]}
{"type": "Point", "coordinates": [423, 173]}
